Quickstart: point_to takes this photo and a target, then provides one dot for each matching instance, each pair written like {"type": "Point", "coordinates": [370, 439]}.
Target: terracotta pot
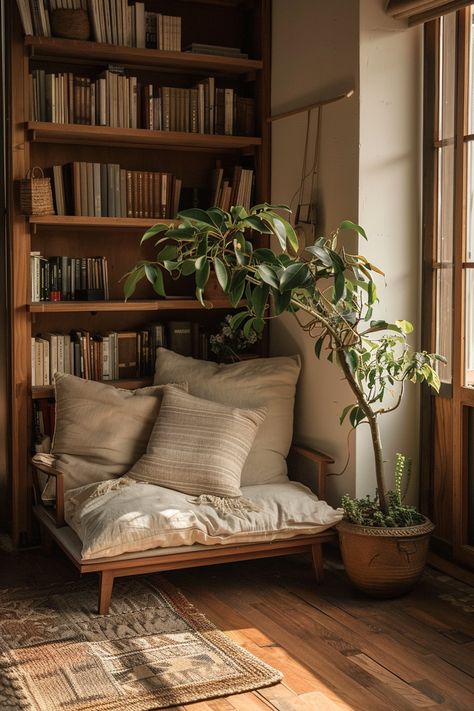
{"type": "Point", "coordinates": [384, 562]}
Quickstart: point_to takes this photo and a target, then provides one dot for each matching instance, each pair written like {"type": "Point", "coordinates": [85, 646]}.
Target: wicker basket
{"type": "Point", "coordinates": [71, 24]}
{"type": "Point", "coordinates": [36, 197]}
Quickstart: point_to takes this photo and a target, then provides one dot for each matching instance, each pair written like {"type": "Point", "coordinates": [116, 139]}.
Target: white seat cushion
{"type": "Point", "coordinates": [137, 516]}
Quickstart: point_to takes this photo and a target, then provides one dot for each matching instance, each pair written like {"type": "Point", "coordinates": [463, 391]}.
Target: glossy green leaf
{"type": "Point", "coordinates": [221, 273]}
{"type": "Point", "coordinates": [294, 276]}
{"type": "Point", "coordinates": [158, 284]}
{"type": "Point", "coordinates": [259, 299]}
{"type": "Point", "coordinates": [188, 267]}
{"type": "Point", "coordinates": [349, 225]}
{"type": "Point", "coordinates": [150, 272]}
{"type": "Point", "coordinates": [281, 302]}
{"type": "Point", "coordinates": [202, 275]}
{"type": "Point", "coordinates": [155, 230]}
{"type": "Point", "coordinates": [196, 214]}
{"type": "Point", "coordinates": [268, 276]}
{"type": "Point", "coordinates": [132, 280]}
{"type": "Point", "coordinates": [321, 254]}
{"type": "Point", "coordinates": [169, 251]}
{"type": "Point", "coordinates": [255, 223]}
{"type": "Point", "coordinates": [339, 287]}
{"type": "Point", "coordinates": [237, 319]}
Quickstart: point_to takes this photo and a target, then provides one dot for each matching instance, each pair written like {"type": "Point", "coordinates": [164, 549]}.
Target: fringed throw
{"type": "Point", "coordinates": [226, 505]}
{"type": "Point", "coordinates": [106, 487]}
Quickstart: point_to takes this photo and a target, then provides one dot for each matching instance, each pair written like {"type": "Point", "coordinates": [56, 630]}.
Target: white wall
{"type": "Point", "coordinates": [389, 200]}
{"type": "Point", "coordinates": [370, 153]}
{"type": "Point", "coordinates": [315, 56]}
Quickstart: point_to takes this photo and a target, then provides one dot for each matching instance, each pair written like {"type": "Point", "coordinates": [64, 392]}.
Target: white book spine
{"type": "Point", "coordinates": [33, 362]}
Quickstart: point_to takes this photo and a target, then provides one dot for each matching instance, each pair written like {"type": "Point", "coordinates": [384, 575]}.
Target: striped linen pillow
{"type": "Point", "coordinates": [198, 446]}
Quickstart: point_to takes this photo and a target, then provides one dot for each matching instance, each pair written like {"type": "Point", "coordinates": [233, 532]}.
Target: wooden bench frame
{"type": "Point", "coordinates": [52, 520]}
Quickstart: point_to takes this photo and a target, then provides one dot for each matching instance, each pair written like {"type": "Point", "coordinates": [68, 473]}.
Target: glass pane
{"type": "Point", "coordinates": [469, 327]}
{"type": "Point", "coordinates": [444, 320]}
{"type": "Point", "coordinates": [447, 76]}
{"type": "Point", "coordinates": [445, 221]}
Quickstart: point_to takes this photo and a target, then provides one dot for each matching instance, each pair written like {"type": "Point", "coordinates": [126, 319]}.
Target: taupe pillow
{"type": "Point", "coordinates": [101, 430]}
{"type": "Point", "coordinates": [263, 382]}
{"type": "Point", "coordinates": [198, 446]}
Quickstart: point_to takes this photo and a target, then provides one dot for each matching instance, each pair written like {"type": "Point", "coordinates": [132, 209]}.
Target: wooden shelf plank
{"type": "Point", "coordinates": [41, 391]}
{"type": "Point", "coordinates": [145, 305]}
{"type": "Point", "coordinates": [43, 132]}
{"type": "Point", "coordinates": [76, 222]}
{"type": "Point", "coordinates": [60, 49]}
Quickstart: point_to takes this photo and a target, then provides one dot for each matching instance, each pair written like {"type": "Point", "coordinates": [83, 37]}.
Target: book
{"type": "Point", "coordinates": [180, 337]}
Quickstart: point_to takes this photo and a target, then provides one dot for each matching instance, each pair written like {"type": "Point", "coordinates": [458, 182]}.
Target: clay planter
{"type": "Point", "coordinates": [384, 562]}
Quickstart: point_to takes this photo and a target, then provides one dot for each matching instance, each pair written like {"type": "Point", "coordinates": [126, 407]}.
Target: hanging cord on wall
{"type": "Point", "coordinates": [299, 192]}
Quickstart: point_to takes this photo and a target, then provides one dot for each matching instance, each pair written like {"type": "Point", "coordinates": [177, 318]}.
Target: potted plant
{"type": "Point", "coordinates": [332, 294]}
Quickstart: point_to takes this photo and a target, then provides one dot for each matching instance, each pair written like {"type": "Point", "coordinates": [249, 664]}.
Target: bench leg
{"type": "Point", "coordinates": [46, 540]}
{"type": "Point", "coordinates": [317, 553]}
{"type": "Point", "coordinates": [106, 583]}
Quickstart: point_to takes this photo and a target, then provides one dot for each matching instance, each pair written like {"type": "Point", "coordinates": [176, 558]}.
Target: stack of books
{"type": "Point", "coordinates": [68, 278]}
{"type": "Point", "coordinates": [112, 22]}
{"type": "Point", "coordinates": [198, 48]}
{"type": "Point", "coordinates": [121, 101]}
{"type": "Point", "coordinates": [115, 355]}
{"type": "Point", "coordinates": [107, 190]}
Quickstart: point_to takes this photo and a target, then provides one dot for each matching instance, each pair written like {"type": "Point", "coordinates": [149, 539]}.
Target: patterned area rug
{"type": "Point", "coordinates": [153, 650]}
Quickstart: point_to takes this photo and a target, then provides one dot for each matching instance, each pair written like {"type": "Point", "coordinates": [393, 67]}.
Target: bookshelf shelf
{"type": "Point", "coordinates": [46, 391]}
{"type": "Point", "coordinates": [121, 306]}
{"type": "Point", "coordinates": [75, 222]}
{"type": "Point", "coordinates": [42, 132]}
{"type": "Point", "coordinates": [52, 48]}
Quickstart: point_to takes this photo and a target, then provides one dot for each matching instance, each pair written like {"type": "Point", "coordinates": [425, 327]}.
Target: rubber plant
{"type": "Point", "coordinates": [330, 291]}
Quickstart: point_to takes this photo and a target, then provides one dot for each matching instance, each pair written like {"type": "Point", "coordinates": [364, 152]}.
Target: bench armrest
{"type": "Point", "coordinates": [320, 459]}
{"type": "Point", "coordinates": [59, 476]}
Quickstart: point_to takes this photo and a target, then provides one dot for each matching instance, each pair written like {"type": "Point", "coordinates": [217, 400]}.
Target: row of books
{"type": "Point", "coordinates": [112, 21]}
{"type": "Point", "coordinates": [114, 355]}
{"type": "Point", "coordinates": [117, 22]}
{"type": "Point", "coordinates": [44, 420]}
{"type": "Point", "coordinates": [68, 278]}
{"type": "Point", "coordinates": [107, 190]}
{"type": "Point", "coordinates": [121, 101]}
{"type": "Point", "coordinates": [236, 190]}
{"type": "Point", "coordinates": [35, 14]}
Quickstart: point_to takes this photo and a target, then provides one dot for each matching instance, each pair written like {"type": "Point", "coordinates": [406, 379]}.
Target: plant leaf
{"type": "Point", "coordinates": [349, 225]}
{"type": "Point", "coordinates": [196, 214]}
{"type": "Point", "coordinates": [268, 276]}
{"type": "Point", "coordinates": [169, 251]}
{"type": "Point", "coordinates": [132, 280]}
{"type": "Point", "coordinates": [221, 273]}
{"type": "Point", "coordinates": [259, 299]}
{"type": "Point", "coordinates": [155, 230]}
{"type": "Point", "coordinates": [202, 275]}
{"type": "Point", "coordinates": [158, 284]}
{"type": "Point", "coordinates": [293, 276]}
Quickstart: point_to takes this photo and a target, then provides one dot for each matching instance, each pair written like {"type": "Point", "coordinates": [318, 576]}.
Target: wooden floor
{"type": "Point", "coordinates": [336, 649]}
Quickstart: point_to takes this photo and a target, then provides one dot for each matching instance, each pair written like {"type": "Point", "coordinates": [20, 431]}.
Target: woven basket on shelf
{"type": "Point", "coordinates": [36, 197]}
{"type": "Point", "coordinates": [71, 24]}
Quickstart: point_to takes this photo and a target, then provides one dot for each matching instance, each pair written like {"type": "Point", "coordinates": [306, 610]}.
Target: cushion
{"type": "Point", "coordinates": [137, 517]}
{"type": "Point", "coordinates": [262, 382]}
{"type": "Point", "coordinates": [198, 446]}
{"type": "Point", "coordinates": [101, 430]}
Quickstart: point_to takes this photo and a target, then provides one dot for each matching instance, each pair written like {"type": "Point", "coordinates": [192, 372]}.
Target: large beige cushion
{"type": "Point", "coordinates": [198, 446]}
{"type": "Point", "coordinates": [263, 382]}
{"type": "Point", "coordinates": [101, 430]}
{"type": "Point", "coordinates": [137, 517]}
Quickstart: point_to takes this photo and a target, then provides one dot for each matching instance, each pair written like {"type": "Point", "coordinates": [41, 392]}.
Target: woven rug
{"type": "Point", "coordinates": [153, 650]}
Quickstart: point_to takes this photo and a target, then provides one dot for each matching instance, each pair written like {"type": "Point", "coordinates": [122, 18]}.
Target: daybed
{"type": "Point", "coordinates": [189, 472]}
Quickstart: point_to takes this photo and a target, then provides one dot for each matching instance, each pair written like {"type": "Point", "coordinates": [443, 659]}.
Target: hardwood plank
{"type": "Point", "coordinates": [249, 702]}
{"type": "Point", "coordinates": [392, 681]}
{"type": "Point", "coordinates": [310, 702]}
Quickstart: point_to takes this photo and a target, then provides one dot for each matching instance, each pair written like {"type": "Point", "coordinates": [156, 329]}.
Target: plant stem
{"type": "Point", "coordinates": [362, 402]}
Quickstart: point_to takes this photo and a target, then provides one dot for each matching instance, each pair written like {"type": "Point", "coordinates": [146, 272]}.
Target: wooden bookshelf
{"type": "Point", "coordinates": [52, 307]}
{"type": "Point", "coordinates": [42, 132]}
{"type": "Point", "coordinates": [189, 156]}
{"type": "Point", "coordinates": [53, 48]}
